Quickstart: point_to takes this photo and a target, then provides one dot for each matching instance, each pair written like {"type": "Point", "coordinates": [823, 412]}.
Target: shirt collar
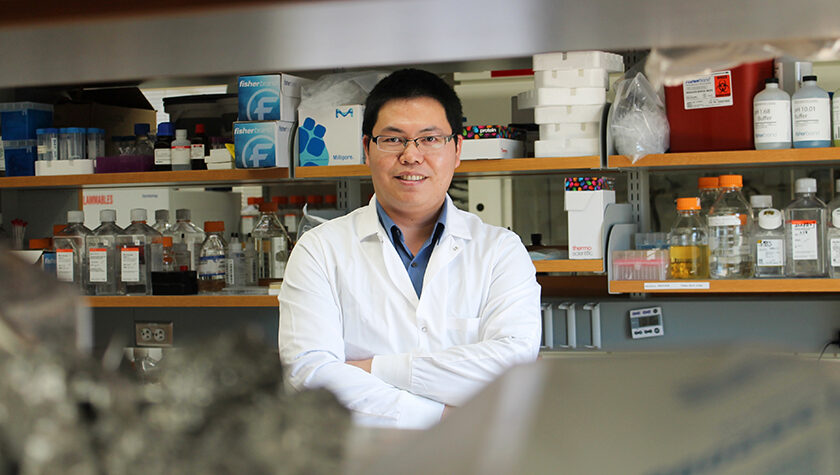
{"type": "Point", "coordinates": [369, 223]}
{"type": "Point", "coordinates": [390, 226]}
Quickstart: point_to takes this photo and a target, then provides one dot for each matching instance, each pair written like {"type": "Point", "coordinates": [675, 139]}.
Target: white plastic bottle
{"type": "Point", "coordinates": [771, 117]}
{"type": "Point", "coordinates": [181, 149]}
{"type": "Point", "coordinates": [805, 220]}
{"type": "Point", "coordinates": [235, 275]}
{"type": "Point", "coordinates": [70, 254]}
{"type": "Point", "coordinates": [768, 244]}
{"type": "Point", "coordinates": [102, 274]}
{"type": "Point", "coordinates": [811, 115]}
{"type": "Point", "coordinates": [834, 245]}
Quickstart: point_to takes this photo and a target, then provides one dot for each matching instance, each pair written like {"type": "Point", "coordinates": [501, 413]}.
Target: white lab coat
{"type": "Point", "coordinates": [346, 295]}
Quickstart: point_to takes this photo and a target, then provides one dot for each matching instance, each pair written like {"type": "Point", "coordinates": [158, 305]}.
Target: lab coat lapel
{"type": "Point", "coordinates": [456, 235]}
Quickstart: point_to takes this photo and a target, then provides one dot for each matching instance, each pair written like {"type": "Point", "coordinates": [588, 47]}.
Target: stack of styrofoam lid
{"type": "Point", "coordinates": [568, 100]}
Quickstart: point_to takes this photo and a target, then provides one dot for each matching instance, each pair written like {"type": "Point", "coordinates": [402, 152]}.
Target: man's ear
{"type": "Point", "coordinates": [459, 140]}
{"type": "Point", "coordinates": [365, 145]}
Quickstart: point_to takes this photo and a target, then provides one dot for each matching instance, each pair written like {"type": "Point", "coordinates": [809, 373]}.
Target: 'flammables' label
{"type": "Point", "coordinates": [803, 239]}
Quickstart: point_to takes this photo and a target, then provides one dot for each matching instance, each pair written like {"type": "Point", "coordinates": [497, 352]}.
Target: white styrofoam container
{"type": "Point", "coordinates": [597, 77]}
{"type": "Point", "coordinates": [577, 130]}
{"type": "Point", "coordinates": [565, 114]}
{"type": "Point", "coordinates": [562, 96]}
{"type": "Point", "coordinates": [474, 149]}
{"type": "Point", "coordinates": [612, 62]}
{"type": "Point", "coordinates": [570, 147]}
{"type": "Point", "coordinates": [63, 167]}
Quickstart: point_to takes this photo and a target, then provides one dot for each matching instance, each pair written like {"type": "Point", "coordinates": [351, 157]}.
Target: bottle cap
{"type": "Point", "coordinates": [181, 134]}
{"type": "Point", "coordinates": [138, 214]}
{"type": "Point", "coordinates": [810, 77]}
{"type": "Point", "coordinates": [330, 199]}
{"type": "Point", "coordinates": [167, 241]}
{"type": "Point", "coordinates": [182, 214]}
{"type": "Point", "coordinates": [296, 200]}
{"type": "Point", "coordinates": [234, 236]}
{"type": "Point", "coordinates": [761, 201]}
{"type": "Point", "coordinates": [107, 215]}
{"type": "Point", "coordinates": [57, 228]}
{"type": "Point", "coordinates": [268, 207]}
{"type": "Point", "coordinates": [42, 243]}
{"type": "Point", "coordinates": [769, 218]}
{"type": "Point", "coordinates": [805, 185]}
{"type": "Point", "coordinates": [707, 182]}
{"type": "Point", "coordinates": [254, 200]}
{"type": "Point", "coordinates": [76, 130]}
{"type": "Point", "coordinates": [40, 131]}
{"type": "Point", "coordinates": [75, 216]}
{"type": "Point", "coordinates": [141, 129]}
{"type": "Point", "coordinates": [314, 199]}
{"type": "Point", "coordinates": [165, 129]}
{"type": "Point", "coordinates": [199, 129]}
{"type": "Point", "coordinates": [92, 131]}
{"type": "Point", "coordinates": [162, 215]}
{"type": "Point", "coordinates": [684, 204]}
{"type": "Point", "coordinates": [730, 181]}
{"type": "Point", "coordinates": [214, 226]}
{"type": "Point", "coordinates": [771, 81]}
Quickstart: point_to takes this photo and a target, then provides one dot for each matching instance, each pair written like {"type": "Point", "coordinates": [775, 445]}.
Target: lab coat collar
{"type": "Point", "coordinates": [456, 225]}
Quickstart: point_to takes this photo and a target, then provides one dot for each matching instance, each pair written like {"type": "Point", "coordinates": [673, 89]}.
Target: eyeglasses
{"type": "Point", "coordinates": [426, 143]}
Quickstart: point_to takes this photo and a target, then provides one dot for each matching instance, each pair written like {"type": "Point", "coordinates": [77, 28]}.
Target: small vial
{"type": "Point", "coordinates": [47, 143]}
{"type": "Point", "coordinates": [72, 143]}
{"type": "Point", "coordinates": [181, 151]}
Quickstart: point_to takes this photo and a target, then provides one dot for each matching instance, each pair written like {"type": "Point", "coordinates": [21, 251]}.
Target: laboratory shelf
{"type": "Point", "coordinates": [187, 177]}
{"type": "Point", "coordinates": [573, 285]}
{"type": "Point", "coordinates": [570, 265]}
{"type": "Point", "coordinates": [768, 286]}
{"type": "Point", "coordinates": [494, 166]}
{"type": "Point", "coordinates": [789, 156]}
{"type": "Point", "coordinates": [183, 301]}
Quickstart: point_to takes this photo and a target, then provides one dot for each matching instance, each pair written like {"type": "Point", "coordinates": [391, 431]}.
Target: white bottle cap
{"type": "Point", "coordinates": [138, 214]}
{"type": "Point", "coordinates": [107, 215]}
{"type": "Point", "coordinates": [161, 214]}
{"type": "Point", "coordinates": [761, 201]}
{"type": "Point", "coordinates": [769, 218]}
{"type": "Point", "coordinates": [182, 214]}
{"type": "Point", "coordinates": [806, 185]}
{"type": "Point", "coordinates": [75, 216]}
{"type": "Point", "coordinates": [181, 134]}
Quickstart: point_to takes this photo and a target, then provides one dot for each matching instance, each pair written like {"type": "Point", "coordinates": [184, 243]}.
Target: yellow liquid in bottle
{"type": "Point", "coordinates": [689, 262]}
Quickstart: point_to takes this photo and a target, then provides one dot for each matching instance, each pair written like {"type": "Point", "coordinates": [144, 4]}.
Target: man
{"type": "Point", "coordinates": [407, 306]}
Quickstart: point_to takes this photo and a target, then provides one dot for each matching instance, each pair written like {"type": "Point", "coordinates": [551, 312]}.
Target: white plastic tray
{"type": "Point", "coordinates": [565, 114]}
{"type": "Point", "coordinates": [63, 167]}
{"type": "Point", "coordinates": [598, 77]}
{"type": "Point", "coordinates": [579, 60]}
{"type": "Point", "coordinates": [578, 130]}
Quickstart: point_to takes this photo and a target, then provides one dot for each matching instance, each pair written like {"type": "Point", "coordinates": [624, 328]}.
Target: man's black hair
{"type": "Point", "coordinates": [410, 84]}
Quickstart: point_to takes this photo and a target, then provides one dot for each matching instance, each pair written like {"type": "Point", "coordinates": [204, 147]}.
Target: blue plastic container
{"type": "Point", "coordinates": [20, 120]}
{"type": "Point", "coordinates": [20, 157]}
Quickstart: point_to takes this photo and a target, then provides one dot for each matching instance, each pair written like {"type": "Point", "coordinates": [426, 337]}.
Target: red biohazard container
{"type": "Point", "coordinates": [714, 112]}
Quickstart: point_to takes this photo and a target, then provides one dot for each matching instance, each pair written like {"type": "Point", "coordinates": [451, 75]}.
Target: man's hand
{"type": "Point", "coordinates": [364, 364]}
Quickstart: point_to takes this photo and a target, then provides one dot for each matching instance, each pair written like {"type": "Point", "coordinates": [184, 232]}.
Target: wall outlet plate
{"type": "Point", "coordinates": [153, 334]}
{"type": "Point", "coordinates": [646, 322]}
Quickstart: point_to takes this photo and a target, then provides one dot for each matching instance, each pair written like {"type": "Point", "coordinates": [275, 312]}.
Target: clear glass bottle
{"type": "Point", "coordinates": [707, 187]}
{"type": "Point", "coordinates": [181, 149]}
{"type": "Point", "coordinates": [730, 220]}
{"type": "Point", "coordinates": [185, 231]}
{"type": "Point", "coordinates": [811, 115]}
{"type": "Point", "coordinates": [136, 255]}
{"type": "Point", "coordinates": [235, 274]}
{"type": "Point", "coordinates": [833, 239]}
{"type": "Point", "coordinates": [143, 145]}
{"type": "Point", "coordinates": [689, 243]}
{"type": "Point", "coordinates": [102, 255]}
{"type": "Point", "coordinates": [211, 260]}
{"type": "Point", "coordinates": [181, 253]}
{"type": "Point", "coordinates": [771, 117]}
{"type": "Point", "coordinates": [760, 203]}
{"type": "Point", "coordinates": [251, 271]}
{"type": "Point", "coordinates": [162, 221]}
{"type": "Point", "coordinates": [70, 254]}
{"type": "Point", "coordinates": [835, 202]}
{"type": "Point", "coordinates": [167, 256]}
{"type": "Point", "coordinates": [768, 244]}
{"type": "Point", "coordinates": [271, 243]}
{"type": "Point", "coordinates": [805, 228]}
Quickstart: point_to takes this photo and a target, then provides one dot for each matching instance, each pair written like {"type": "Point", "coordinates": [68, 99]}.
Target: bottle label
{"type": "Point", "coordinates": [725, 220]}
{"type": "Point", "coordinates": [64, 264]}
{"type": "Point", "coordinates": [811, 119]}
{"type": "Point", "coordinates": [804, 239]}
{"type": "Point", "coordinates": [229, 273]}
{"type": "Point", "coordinates": [130, 264]}
{"type": "Point", "coordinates": [180, 154]}
{"type": "Point", "coordinates": [98, 260]}
{"type": "Point", "coordinates": [771, 120]}
{"type": "Point", "coordinates": [770, 252]}
{"type": "Point", "coordinates": [713, 90]}
{"type": "Point", "coordinates": [835, 114]}
{"type": "Point", "coordinates": [211, 267]}
{"type": "Point", "coordinates": [834, 248]}
{"type": "Point", "coordinates": [197, 151]}
{"type": "Point", "coordinates": [163, 156]}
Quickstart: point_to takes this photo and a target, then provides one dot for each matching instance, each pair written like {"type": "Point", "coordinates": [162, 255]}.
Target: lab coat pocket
{"type": "Point", "coordinates": [462, 331]}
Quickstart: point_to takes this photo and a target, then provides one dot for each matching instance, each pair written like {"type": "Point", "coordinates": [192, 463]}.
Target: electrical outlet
{"type": "Point", "coordinates": [157, 334]}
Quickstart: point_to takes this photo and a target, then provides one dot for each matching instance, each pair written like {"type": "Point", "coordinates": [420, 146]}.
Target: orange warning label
{"type": "Point", "coordinates": [723, 85]}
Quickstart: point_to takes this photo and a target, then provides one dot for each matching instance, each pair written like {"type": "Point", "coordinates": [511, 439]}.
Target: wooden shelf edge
{"type": "Point", "coordinates": [822, 285]}
{"type": "Point", "coordinates": [123, 301]}
{"type": "Point", "coordinates": [729, 157]}
{"type": "Point", "coordinates": [238, 175]}
{"type": "Point", "coordinates": [570, 265]}
{"type": "Point", "coordinates": [573, 285]}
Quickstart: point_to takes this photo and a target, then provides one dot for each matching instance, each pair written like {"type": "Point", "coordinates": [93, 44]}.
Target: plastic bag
{"type": "Point", "coordinates": [339, 89]}
{"type": "Point", "coordinates": [638, 123]}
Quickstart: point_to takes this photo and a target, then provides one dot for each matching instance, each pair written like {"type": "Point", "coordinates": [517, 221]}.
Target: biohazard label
{"type": "Point", "coordinates": [714, 90]}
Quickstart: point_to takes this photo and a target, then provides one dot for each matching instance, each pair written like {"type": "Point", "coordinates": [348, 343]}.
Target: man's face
{"type": "Point", "coordinates": [412, 182]}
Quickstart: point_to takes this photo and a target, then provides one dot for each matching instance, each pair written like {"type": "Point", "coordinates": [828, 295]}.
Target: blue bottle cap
{"type": "Point", "coordinates": [166, 129]}
{"type": "Point", "coordinates": [40, 131]}
{"type": "Point", "coordinates": [92, 130]}
{"type": "Point", "coordinates": [141, 129]}
{"type": "Point", "coordinates": [51, 130]}
{"type": "Point", "coordinates": [76, 130]}
{"type": "Point", "coordinates": [63, 130]}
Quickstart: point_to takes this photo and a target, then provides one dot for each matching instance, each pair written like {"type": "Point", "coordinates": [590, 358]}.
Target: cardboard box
{"type": "Point", "coordinates": [269, 97]}
{"type": "Point", "coordinates": [330, 136]}
{"type": "Point", "coordinates": [263, 144]}
{"type": "Point", "coordinates": [473, 149]}
{"type": "Point", "coordinates": [586, 222]}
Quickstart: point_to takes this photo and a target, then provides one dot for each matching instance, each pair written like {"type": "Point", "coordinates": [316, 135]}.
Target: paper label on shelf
{"type": "Point", "coordinates": [811, 119]}
{"type": "Point", "coordinates": [98, 261]}
{"type": "Point", "coordinates": [181, 155]}
{"type": "Point", "coordinates": [834, 246]}
{"type": "Point", "coordinates": [804, 239]}
{"type": "Point", "coordinates": [197, 151]}
{"type": "Point", "coordinates": [713, 90]}
{"type": "Point", "coordinates": [64, 264]}
{"type": "Point", "coordinates": [725, 220]}
{"type": "Point", "coordinates": [770, 252]}
{"type": "Point", "coordinates": [772, 121]}
{"type": "Point", "coordinates": [130, 264]}
{"type": "Point", "coordinates": [163, 156]}
{"type": "Point", "coordinates": [676, 285]}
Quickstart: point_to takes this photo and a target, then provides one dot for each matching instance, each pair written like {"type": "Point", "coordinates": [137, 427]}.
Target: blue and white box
{"type": "Point", "coordinates": [269, 97]}
{"type": "Point", "coordinates": [263, 144]}
{"type": "Point", "coordinates": [330, 136]}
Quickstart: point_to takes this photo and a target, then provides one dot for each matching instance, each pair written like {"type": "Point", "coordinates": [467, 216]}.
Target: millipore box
{"type": "Point", "coordinates": [330, 136]}
{"type": "Point", "coordinates": [269, 97]}
{"type": "Point", "coordinates": [586, 222]}
{"type": "Point", "coordinates": [263, 144]}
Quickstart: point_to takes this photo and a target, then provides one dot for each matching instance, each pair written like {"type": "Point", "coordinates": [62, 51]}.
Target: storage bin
{"type": "Point", "coordinates": [651, 264]}
{"type": "Point", "coordinates": [19, 120]}
{"type": "Point", "coordinates": [20, 157]}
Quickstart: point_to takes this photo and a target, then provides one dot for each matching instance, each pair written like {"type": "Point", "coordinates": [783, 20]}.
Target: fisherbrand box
{"type": "Point", "coordinates": [263, 144]}
{"type": "Point", "coordinates": [269, 97]}
{"type": "Point", "coordinates": [330, 136]}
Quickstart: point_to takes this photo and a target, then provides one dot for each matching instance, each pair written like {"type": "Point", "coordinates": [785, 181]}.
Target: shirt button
{"type": "Point", "coordinates": [413, 264]}
{"type": "Point", "coordinates": [424, 329]}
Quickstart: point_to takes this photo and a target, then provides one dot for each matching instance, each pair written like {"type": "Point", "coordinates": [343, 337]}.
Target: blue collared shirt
{"type": "Point", "coordinates": [415, 265]}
